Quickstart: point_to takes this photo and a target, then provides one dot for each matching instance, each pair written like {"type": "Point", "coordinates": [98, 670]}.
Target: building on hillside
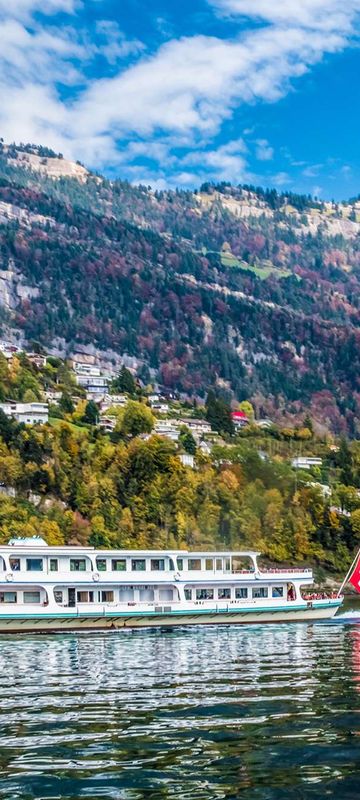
{"type": "Point", "coordinates": [324, 488]}
{"type": "Point", "coordinates": [52, 396]}
{"type": "Point", "coordinates": [107, 423]}
{"type": "Point", "coordinates": [160, 407]}
{"type": "Point", "coordinates": [37, 359]}
{"type": "Point", "coordinates": [198, 427]}
{"type": "Point", "coordinates": [95, 386]}
{"type": "Point", "coordinates": [205, 448]}
{"type": "Point", "coordinates": [29, 413]}
{"type": "Point", "coordinates": [113, 400]}
{"type": "Point", "coordinates": [306, 462]}
{"type": "Point", "coordinates": [264, 423]}
{"type": "Point", "coordinates": [187, 460]}
{"type": "Point", "coordinates": [167, 429]}
{"type": "Point", "coordinates": [239, 419]}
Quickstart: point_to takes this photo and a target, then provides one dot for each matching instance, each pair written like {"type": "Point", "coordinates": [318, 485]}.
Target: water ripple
{"type": "Point", "coordinates": [257, 713]}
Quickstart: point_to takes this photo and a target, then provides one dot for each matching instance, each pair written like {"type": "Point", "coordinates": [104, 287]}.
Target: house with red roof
{"type": "Point", "coordinates": [239, 419]}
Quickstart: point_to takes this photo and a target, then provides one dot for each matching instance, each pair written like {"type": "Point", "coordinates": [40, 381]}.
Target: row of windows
{"type": "Point", "coordinates": [79, 564]}
{"type": "Point", "coordinates": [241, 593]}
{"type": "Point", "coordinates": [120, 564]}
{"type": "Point", "coordinates": [11, 597]}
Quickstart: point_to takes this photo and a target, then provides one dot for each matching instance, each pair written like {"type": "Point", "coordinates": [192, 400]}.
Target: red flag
{"type": "Point", "coordinates": [355, 576]}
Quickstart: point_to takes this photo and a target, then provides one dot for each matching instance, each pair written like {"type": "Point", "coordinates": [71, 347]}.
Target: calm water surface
{"type": "Point", "coordinates": [257, 713]}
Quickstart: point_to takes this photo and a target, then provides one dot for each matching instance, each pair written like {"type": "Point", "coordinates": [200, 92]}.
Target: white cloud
{"type": "Point", "coordinates": [264, 151]}
{"type": "Point", "coordinates": [227, 162]}
{"type": "Point", "coordinates": [321, 14]}
{"type": "Point", "coordinates": [22, 9]}
{"type": "Point", "coordinates": [175, 100]}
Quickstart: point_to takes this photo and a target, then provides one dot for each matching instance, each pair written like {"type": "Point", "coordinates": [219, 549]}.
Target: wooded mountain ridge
{"type": "Point", "coordinates": [250, 291]}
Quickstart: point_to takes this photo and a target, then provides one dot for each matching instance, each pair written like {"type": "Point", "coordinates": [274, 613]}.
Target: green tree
{"type": "Point", "coordinates": [91, 415]}
{"type": "Point", "coordinates": [187, 440]}
{"type": "Point", "coordinates": [124, 382]}
{"type": "Point", "coordinates": [137, 418]}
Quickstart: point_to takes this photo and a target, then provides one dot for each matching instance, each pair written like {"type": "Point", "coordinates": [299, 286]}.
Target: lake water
{"type": "Point", "coordinates": [257, 713]}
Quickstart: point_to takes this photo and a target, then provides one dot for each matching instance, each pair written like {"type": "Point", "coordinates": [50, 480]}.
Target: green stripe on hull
{"type": "Point", "coordinates": [179, 612]}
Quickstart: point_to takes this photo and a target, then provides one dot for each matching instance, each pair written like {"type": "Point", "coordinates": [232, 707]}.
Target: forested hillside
{"type": "Point", "coordinates": [247, 290]}
{"type": "Point", "coordinates": [71, 482]}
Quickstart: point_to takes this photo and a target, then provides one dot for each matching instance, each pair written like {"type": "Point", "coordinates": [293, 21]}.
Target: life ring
{"type": "Point", "coordinates": [177, 576]}
{"type": "Point", "coordinates": [96, 577]}
{"type": "Point", "coordinates": [9, 577]}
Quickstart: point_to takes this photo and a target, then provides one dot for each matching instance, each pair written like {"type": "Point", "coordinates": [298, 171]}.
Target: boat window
{"type": "Point", "coordinates": [126, 593]}
{"type": "Point", "coordinates": [278, 591]}
{"type": "Point", "coordinates": [227, 564]}
{"type": "Point", "coordinates": [82, 597]}
{"type": "Point", "coordinates": [138, 564]}
{"type": "Point", "coordinates": [204, 594]}
{"type": "Point", "coordinates": [194, 563]}
{"type": "Point", "coordinates": [180, 564]}
{"type": "Point", "coordinates": [31, 597]}
{"type": "Point", "coordinates": [157, 564]}
{"type": "Point", "coordinates": [107, 597]}
{"type": "Point", "coordinates": [77, 565]}
{"type": "Point", "coordinates": [219, 564]}
{"type": "Point", "coordinates": [8, 597]}
{"type": "Point", "coordinates": [54, 565]}
{"type": "Point", "coordinates": [118, 564]}
{"type": "Point", "coordinates": [241, 592]}
{"type": "Point", "coordinates": [165, 594]}
{"type": "Point", "coordinates": [58, 596]}
{"type": "Point", "coordinates": [146, 594]}
{"type": "Point", "coordinates": [188, 594]}
{"type": "Point", "coordinates": [260, 591]}
{"type": "Point", "coordinates": [34, 564]}
{"type": "Point", "coordinates": [101, 564]}
{"type": "Point", "coordinates": [15, 564]}
{"type": "Point", "coordinates": [171, 564]}
{"type": "Point", "coordinates": [209, 563]}
{"type": "Point", "coordinates": [224, 594]}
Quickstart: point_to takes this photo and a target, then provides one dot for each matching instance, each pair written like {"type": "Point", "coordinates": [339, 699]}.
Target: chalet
{"type": "Point", "coordinates": [29, 413]}
{"type": "Point", "coordinates": [239, 419]}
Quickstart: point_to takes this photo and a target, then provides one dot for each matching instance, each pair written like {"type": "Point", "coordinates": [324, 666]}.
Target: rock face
{"type": "Point", "coordinates": [249, 290]}
{"type": "Point", "coordinates": [54, 167]}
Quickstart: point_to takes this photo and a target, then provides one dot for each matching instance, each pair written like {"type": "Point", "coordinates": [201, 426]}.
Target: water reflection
{"type": "Point", "coordinates": [260, 713]}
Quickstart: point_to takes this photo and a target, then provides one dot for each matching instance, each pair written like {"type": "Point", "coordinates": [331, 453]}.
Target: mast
{"type": "Point", "coordinates": [347, 576]}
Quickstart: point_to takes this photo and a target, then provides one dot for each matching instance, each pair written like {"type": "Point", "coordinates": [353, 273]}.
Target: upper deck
{"type": "Point", "coordinates": [29, 561]}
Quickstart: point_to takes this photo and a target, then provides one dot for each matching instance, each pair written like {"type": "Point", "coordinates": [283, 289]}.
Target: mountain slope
{"type": "Point", "coordinates": [246, 289]}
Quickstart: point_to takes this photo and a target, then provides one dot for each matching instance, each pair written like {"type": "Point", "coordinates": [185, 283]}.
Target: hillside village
{"type": "Point", "coordinates": [90, 454]}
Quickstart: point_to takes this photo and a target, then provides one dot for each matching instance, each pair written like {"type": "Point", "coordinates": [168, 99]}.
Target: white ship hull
{"type": "Point", "coordinates": [112, 620]}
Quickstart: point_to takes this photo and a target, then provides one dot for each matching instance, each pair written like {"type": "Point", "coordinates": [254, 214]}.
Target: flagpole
{"type": "Point", "coordinates": [349, 573]}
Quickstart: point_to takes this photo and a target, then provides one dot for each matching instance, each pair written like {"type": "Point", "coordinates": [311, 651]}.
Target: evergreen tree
{"type": "Point", "coordinates": [124, 382]}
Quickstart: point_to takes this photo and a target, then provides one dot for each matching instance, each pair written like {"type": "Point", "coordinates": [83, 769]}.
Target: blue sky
{"type": "Point", "coordinates": [175, 93]}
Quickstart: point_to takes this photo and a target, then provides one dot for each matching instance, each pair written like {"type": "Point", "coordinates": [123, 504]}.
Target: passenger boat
{"type": "Point", "coordinates": [46, 588]}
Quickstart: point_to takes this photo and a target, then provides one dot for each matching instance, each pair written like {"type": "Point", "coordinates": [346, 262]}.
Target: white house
{"type": "Point", "coordinates": [198, 427]}
{"type": "Point", "coordinates": [167, 429]}
{"type": "Point", "coordinates": [107, 423]}
{"type": "Point", "coordinates": [94, 385]}
{"type": "Point", "coordinates": [29, 413]}
{"type": "Point", "coordinates": [306, 462]}
{"type": "Point", "coordinates": [113, 400]}
{"type": "Point", "coordinates": [160, 407]}
{"type": "Point", "coordinates": [187, 460]}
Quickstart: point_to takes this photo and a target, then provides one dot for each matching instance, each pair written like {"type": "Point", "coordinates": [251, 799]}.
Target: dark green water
{"type": "Point", "coordinates": [258, 713]}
